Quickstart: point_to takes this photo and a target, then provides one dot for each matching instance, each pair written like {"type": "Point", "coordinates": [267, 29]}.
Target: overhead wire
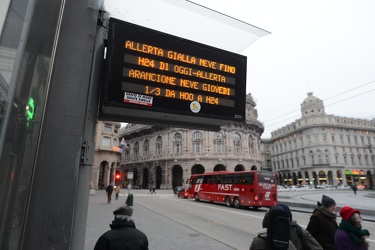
{"type": "Point", "coordinates": [298, 110]}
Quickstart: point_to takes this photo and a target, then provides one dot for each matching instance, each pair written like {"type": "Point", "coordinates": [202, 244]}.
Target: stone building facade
{"type": "Point", "coordinates": [166, 157]}
{"type": "Point", "coordinates": [320, 149]}
{"type": "Point", "coordinates": [107, 154]}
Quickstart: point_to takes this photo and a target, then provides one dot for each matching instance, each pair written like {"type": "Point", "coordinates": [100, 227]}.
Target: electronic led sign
{"type": "Point", "coordinates": [156, 78]}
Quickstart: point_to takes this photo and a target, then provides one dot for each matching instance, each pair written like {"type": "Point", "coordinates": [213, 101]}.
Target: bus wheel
{"type": "Point", "coordinates": [236, 203]}
{"type": "Point", "coordinates": [196, 197]}
{"type": "Point", "coordinates": [228, 201]}
{"type": "Point", "coordinates": [255, 208]}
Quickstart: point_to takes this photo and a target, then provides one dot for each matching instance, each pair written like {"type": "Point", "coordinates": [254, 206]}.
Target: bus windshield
{"type": "Point", "coordinates": [266, 180]}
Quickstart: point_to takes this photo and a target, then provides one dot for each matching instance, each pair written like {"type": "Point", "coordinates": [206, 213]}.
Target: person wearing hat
{"type": "Point", "coordinates": [322, 225]}
{"type": "Point", "coordinates": [260, 241]}
{"type": "Point", "coordinates": [350, 234]}
{"type": "Point", "coordinates": [123, 233]}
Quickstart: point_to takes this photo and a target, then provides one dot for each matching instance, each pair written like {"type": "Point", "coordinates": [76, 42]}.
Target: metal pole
{"type": "Point", "coordinates": [85, 169]}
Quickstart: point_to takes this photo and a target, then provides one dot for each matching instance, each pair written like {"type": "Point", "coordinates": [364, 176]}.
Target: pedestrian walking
{"type": "Point", "coordinates": [109, 191]}
{"type": "Point", "coordinates": [323, 225]}
{"type": "Point", "coordinates": [117, 191]}
{"type": "Point", "coordinates": [354, 187]}
{"type": "Point", "coordinates": [153, 190]}
{"type": "Point", "coordinates": [350, 235]}
{"type": "Point", "coordinates": [123, 233]}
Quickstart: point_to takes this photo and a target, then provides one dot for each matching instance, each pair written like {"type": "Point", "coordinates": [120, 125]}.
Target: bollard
{"type": "Point", "coordinates": [129, 200]}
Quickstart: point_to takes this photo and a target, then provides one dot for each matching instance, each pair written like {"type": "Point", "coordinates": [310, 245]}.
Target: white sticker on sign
{"type": "Point", "coordinates": [138, 99]}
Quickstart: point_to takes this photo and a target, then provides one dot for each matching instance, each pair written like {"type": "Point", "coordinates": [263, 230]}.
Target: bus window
{"type": "Point", "coordinates": [236, 178]}
{"type": "Point", "coordinates": [249, 178]}
{"type": "Point", "coordinates": [195, 179]}
{"type": "Point", "coordinates": [207, 179]}
{"type": "Point", "coordinates": [266, 178]}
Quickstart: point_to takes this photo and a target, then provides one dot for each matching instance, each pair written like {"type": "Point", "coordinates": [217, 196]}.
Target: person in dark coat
{"type": "Point", "coordinates": [323, 225]}
{"type": "Point", "coordinates": [109, 191]}
{"type": "Point", "coordinates": [350, 235]}
{"type": "Point", "coordinates": [300, 237]}
{"type": "Point", "coordinates": [123, 233]}
{"type": "Point", "coordinates": [354, 187]}
{"type": "Point", "coordinates": [260, 241]}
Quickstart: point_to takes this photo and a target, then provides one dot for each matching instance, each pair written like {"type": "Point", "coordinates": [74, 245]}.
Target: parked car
{"type": "Point", "coordinates": [183, 193]}
{"type": "Point", "coordinates": [295, 188]}
{"type": "Point", "coordinates": [177, 189]}
{"type": "Point", "coordinates": [308, 188]}
{"type": "Point", "coordinates": [361, 187]}
{"type": "Point", "coordinates": [325, 186]}
{"type": "Point", "coordinates": [281, 188]}
{"type": "Point", "coordinates": [343, 187]}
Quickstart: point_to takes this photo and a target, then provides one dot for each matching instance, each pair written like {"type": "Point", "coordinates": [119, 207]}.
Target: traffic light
{"type": "Point", "coordinates": [118, 176]}
{"type": "Point", "coordinates": [30, 110]}
{"type": "Point", "coordinates": [30, 114]}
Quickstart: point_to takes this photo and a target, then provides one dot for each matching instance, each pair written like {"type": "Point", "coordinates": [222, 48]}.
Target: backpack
{"type": "Point", "coordinates": [278, 229]}
{"type": "Point", "coordinates": [299, 233]}
{"type": "Point", "coordinates": [297, 237]}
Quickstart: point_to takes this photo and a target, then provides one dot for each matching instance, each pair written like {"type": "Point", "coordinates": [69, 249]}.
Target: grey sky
{"type": "Point", "coordinates": [326, 47]}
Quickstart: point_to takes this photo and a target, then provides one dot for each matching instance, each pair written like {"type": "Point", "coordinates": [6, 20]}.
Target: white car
{"type": "Point", "coordinates": [343, 187]}
{"type": "Point", "coordinates": [281, 188]}
{"type": "Point", "coordinates": [308, 188]}
{"type": "Point", "coordinates": [326, 187]}
{"type": "Point", "coordinates": [295, 188]}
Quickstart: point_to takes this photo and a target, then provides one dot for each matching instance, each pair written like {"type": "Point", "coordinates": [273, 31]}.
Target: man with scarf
{"type": "Point", "coordinates": [123, 234]}
{"type": "Point", "coordinates": [323, 225]}
{"type": "Point", "coordinates": [350, 235]}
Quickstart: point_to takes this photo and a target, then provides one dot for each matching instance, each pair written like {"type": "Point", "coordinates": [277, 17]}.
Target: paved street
{"type": "Point", "coordinates": [100, 216]}
{"type": "Point", "coordinates": [165, 233]}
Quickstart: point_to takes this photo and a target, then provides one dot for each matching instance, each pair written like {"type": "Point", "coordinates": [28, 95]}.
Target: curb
{"type": "Point", "coordinates": [367, 215]}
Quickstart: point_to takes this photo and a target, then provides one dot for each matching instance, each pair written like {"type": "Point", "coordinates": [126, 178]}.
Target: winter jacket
{"type": "Point", "coordinates": [260, 242]}
{"type": "Point", "coordinates": [302, 239]}
{"type": "Point", "coordinates": [322, 227]}
{"type": "Point", "coordinates": [343, 242]}
{"type": "Point", "coordinates": [123, 235]}
{"type": "Point", "coordinates": [109, 189]}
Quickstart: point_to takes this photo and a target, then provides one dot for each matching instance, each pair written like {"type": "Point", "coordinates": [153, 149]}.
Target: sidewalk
{"type": "Point", "coordinates": [100, 215]}
{"type": "Point", "coordinates": [306, 201]}
{"type": "Point", "coordinates": [154, 225]}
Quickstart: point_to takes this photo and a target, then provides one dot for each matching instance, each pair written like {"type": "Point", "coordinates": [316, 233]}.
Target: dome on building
{"type": "Point", "coordinates": [312, 106]}
{"type": "Point", "coordinates": [251, 112]}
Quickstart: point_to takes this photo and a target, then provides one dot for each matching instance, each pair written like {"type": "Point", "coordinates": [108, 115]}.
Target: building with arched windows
{"type": "Point", "coordinates": [320, 149]}
{"type": "Point", "coordinates": [166, 157]}
{"type": "Point", "coordinates": [107, 154]}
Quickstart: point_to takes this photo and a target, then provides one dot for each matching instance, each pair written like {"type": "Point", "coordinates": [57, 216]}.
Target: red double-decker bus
{"type": "Point", "coordinates": [239, 189]}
